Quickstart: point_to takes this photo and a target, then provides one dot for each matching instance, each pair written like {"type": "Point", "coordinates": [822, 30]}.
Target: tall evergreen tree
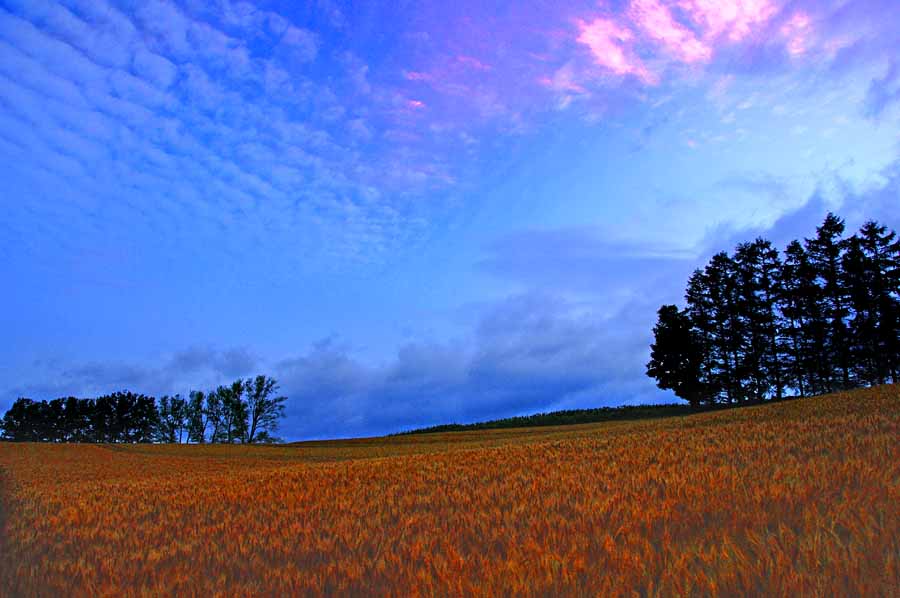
{"type": "Point", "coordinates": [757, 284]}
{"type": "Point", "coordinates": [872, 271]}
{"type": "Point", "coordinates": [676, 356]}
{"type": "Point", "coordinates": [699, 311]}
{"type": "Point", "coordinates": [825, 318]}
{"type": "Point", "coordinates": [867, 365]}
{"type": "Point", "coordinates": [728, 336]}
{"type": "Point", "coordinates": [826, 251]}
{"type": "Point", "coordinates": [803, 322]}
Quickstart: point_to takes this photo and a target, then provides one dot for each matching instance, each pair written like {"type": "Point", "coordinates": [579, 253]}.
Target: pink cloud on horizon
{"type": "Point", "coordinates": [611, 46]}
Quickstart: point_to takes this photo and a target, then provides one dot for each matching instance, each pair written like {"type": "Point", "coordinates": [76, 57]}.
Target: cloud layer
{"type": "Point", "coordinates": [197, 191]}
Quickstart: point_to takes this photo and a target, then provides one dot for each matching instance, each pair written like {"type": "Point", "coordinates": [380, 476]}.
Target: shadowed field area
{"type": "Point", "coordinates": [792, 498]}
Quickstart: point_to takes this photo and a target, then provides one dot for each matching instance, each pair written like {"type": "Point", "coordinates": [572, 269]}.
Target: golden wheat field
{"type": "Point", "coordinates": [800, 498]}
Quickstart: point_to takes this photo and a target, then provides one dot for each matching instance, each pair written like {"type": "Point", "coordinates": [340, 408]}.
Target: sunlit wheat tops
{"type": "Point", "coordinates": [791, 499]}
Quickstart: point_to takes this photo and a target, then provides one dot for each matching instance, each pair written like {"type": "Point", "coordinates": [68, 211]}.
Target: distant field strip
{"type": "Point", "coordinates": [790, 499]}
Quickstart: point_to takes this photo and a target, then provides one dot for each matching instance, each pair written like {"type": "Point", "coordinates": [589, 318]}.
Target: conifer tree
{"type": "Point", "coordinates": [676, 356]}
{"type": "Point", "coordinates": [826, 251]}
{"type": "Point", "coordinates": [802, 321]}
{"type": "Point", "coordinates": [758, 285]}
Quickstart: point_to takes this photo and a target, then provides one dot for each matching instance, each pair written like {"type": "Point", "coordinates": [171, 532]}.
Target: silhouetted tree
{"type": "Point", "coordinates": [179, 417]}
{"type": "Point", "coordinates": [263, 409]}
{"type": "Point", "coordinates": [19, 421]}
{"type": "Point", "coordinates": [77, 419]}
{"type": "Point", "coordinates": [676, 356]}
{"type": "Point", "coordinates": [728, 332]}
{"type": "Point", "coordinates": [197, 417]}
{"type": "Point", "coordinates": [826, 256]}
{"type": "Point", "coordinates": [234, 412]}
{"type": "Point", "coordinates": [215, 415]}
{"type": "Point", "coordinates": [803, 322]}
{"type": "Point", "coordinates": [825, 318]}
{"type": "Point", "coordinates": [759, 367]}
{"type": "Point", "coordinates": [165, 429]}
{"type": "Point", "coordinates": [871, 267]}
{"type": "Point", "coordinates": [242, 412]}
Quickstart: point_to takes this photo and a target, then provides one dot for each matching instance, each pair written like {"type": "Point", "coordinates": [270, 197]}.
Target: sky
{"type": "Point", "coordinates": [411, 213]}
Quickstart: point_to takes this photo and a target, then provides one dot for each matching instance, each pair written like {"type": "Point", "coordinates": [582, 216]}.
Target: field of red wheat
{"type": "Point", "coordinates": [797, 498]}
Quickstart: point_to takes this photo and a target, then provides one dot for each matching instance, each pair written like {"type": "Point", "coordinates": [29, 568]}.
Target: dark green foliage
{"type": "Point", "coordinates": [214, 415]}
{"type": "Point", "coordinates": [564, 418]}
{"type": "Point", "coordinates": [263, 409]}
{"type": "Point", "coordinates": [173, 419]}
{"type": "Point", "coordinates": [802, 323]}
{"type": "Point", "coordinates": [120, 417]}
{"type": "Point", "coordinates": [825, 255]}
{"type": "Point", "coordinates": [758, 285]}
{"type": "Point", "coordinates": [825, 318]}
{"type": "Point", "coordinates": [234, 413]}
{"type": "Point", "coordinates": [197, 417]}
{"type": "Point", "coordinates": [871, 269]}
{"type": "Point", "coordinates": [676, 356]}
{"type": "Point", "coordinates": [242, 412]}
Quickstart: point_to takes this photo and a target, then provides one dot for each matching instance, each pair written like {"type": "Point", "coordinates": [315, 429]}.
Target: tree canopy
{"type": "Point", "coordinates": [758, 324]}
{"type": "Point", "coordinates": [245, 411]}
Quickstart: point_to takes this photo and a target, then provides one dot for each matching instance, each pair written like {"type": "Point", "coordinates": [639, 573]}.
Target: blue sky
{"type": "Point", "coordinates": [411, 213]}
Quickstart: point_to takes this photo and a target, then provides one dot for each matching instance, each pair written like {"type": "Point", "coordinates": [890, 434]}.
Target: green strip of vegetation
{"type": "Point", "coordinates": [565, 418]}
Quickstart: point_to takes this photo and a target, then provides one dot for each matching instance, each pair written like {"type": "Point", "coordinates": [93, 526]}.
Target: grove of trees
{"type": "Point", "coordinates": [247, 411]}
{"type": "Point", "coordinates": [759, 324]}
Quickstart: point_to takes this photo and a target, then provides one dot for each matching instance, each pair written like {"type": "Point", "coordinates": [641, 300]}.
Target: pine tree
{"type": "Point", "coordinates": [802, 321]}
{"type": "Point", "coordinates": [757, 268]}
{"type": "Point", "coordinates": [700, 313]}
{"type": "Point", "coordinates": [729, 334]}
{"type": "Point", "coordinates": [872, 273]}
{"type": "Point", "coordinates": [676, 356]}
{"type": "Point", "coordinates": [826, 256]}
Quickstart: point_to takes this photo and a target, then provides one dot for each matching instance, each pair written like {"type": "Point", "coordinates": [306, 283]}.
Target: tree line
{"type": "Point", "coordinates": [759, 324]}
{"type": "Point", "coordinates": [247, 411]}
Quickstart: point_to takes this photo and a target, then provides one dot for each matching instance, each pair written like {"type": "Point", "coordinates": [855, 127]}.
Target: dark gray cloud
{"type": "Point", "coordinates": [529, 352]}
{"type": "Point", "coordinates": [577, 337]}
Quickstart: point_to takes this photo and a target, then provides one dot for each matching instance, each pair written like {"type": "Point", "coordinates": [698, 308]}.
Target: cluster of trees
{"type": "Point", "coordinates": [758, 324]}
{"type": "Point", "coordinates": [247, 411]}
